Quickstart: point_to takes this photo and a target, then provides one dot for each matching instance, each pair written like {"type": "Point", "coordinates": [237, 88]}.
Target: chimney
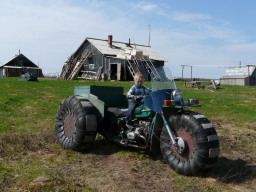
{"type": "Point", "coordinates": [129, 42]}
{"type": "Point", "coordinates": [110, 40]}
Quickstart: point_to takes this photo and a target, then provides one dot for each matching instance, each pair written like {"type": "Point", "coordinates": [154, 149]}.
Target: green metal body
{"type": "Point", "coordinates": [102, 97]}
{"type": "Point", "coordinates": [146, 112]}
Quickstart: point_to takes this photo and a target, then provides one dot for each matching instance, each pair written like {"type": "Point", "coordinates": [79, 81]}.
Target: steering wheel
{"type": "Point", "coordinates": [138, 98]}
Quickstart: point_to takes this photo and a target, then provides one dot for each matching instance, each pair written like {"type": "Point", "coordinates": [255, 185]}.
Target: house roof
{"type": "Point", "coordinates": [238, 72]}
{"type": "Point", "coordinates": [118, 49]}
{"type": "Point", "coordinates": [25, 62]}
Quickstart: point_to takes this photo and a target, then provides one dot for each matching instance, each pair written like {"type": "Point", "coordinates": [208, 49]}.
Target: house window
{"type": "Point", "coordinates": [91, 66]}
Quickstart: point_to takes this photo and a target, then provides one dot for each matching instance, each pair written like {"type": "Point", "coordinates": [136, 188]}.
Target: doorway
{"type": "Point", "coordinates": [115, 71]}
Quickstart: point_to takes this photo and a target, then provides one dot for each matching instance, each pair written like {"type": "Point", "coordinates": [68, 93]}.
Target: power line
{"type": "Point", "coordinates": [207, 65]}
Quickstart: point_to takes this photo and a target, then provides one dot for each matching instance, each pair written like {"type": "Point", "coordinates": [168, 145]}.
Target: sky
{"type": "Point", "coordinates": [207, 35]}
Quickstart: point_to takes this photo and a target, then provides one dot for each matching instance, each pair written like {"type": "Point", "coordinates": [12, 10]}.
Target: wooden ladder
{"type": "Point", "coordinates": [98, 74]}
{"type": "Point", "coordinates": [78, 66]}
{"type": "Point", "coordinates": [66, 69]}
{"type": "Point", "coordinates": [151, 69]}
{"type": "Point", "coordinates": [132, 69]}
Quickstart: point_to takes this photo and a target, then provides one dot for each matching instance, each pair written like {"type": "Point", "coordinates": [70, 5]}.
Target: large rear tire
{"type": "Point", "coordinates": [200, 141]}
{"type": "Point", "coordinates": [76, 124]}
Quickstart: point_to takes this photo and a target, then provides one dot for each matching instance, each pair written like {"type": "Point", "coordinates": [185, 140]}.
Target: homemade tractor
{"type": "Point", "coordinates": [187, 140]}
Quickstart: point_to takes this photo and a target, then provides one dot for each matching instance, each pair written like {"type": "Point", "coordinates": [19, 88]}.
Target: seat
{"type": "Point", "coordinates": [118, 111]}
{"type": "Point", "coordinates": [121, 112]}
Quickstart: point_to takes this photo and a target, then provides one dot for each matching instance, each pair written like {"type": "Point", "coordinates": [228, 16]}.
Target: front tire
{"type": "Point", "coordinates": [199, 139]}
{"type": "Point", "coordinates": [76, 124]}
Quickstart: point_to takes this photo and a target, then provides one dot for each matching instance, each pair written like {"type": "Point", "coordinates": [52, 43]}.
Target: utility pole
{"type": "Point", "coordinates": [182, 72]}
{"type": "Point", "coordinates": [190, 70]}
{"type": "Point", "coordinates": [149, 30]}
{"type": "Point", "coordinates": [38, 71]}
{"type": "Point", "coordinates": [248, 75]}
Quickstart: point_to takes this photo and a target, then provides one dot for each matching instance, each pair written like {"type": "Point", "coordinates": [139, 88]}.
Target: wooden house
{"type": "Point", "coordinates": [108, 59]}
{"type": "Point", "coordinates": [18, 66]}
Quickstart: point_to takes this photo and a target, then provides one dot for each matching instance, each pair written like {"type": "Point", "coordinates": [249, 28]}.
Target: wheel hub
{"type": "Point", "coordinates": [69, 125]}
{"type": "Point", "coordinates": [184, 145]}
{"type": "Point", "coordinates": [180, 145]}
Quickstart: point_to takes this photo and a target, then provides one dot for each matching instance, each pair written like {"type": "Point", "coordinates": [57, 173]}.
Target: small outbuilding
{"type": "Point", "coordinates": [242, 75]}
{"type": "Point", "coordinates": [112, 60]}
{"type": "Point", "coordinates": [18, 66]}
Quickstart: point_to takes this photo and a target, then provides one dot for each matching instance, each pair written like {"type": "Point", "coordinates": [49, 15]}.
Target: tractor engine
{"type": "Point", "coordinates": [140, 132]}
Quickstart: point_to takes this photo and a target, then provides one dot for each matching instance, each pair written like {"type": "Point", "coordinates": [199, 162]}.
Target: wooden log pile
{"type": "Point", "coordinates": [73, 66]}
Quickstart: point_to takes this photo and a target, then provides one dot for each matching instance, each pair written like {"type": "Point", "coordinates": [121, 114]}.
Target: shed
{"type": "Point", "coordinates": [242, 75]}
{"type": "Point", "coordinates": [18, 66]}
{"type": "Point", "coordinates": [112, 60]}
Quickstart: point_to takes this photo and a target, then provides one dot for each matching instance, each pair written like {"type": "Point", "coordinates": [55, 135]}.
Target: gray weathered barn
{"type": "Point", "coordinates": [242, 75]}
{"type": "Point", "coordinates": [19, 65]}
{"type": "Point", "coordinates": [96, 59]}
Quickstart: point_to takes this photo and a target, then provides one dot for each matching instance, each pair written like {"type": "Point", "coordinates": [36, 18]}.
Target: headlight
{"type": "Point", "coordinates": [177, 96]}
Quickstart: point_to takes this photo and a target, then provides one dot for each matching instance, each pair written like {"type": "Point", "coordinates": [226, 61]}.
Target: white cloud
{"type": "Point", "coordinates": [189, 17]}
{"type": "Point", "coordinates": [146, 6]}
{"type": "Point", "coordinates": [205, 27]}
{"type": "Point", "coordinates": [49, 31]}
{"type": "Point", "coordinates": [246, 47]}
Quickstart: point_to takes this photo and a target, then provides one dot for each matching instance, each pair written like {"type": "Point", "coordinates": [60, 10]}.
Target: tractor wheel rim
{"type": "Point", "coordinates": [69, 125]}
{"type": "Point", "coordinates": [187, 152]}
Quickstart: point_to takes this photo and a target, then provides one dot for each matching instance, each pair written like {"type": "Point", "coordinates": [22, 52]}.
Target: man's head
{"type": "Point", "coordinates": [138, 79]}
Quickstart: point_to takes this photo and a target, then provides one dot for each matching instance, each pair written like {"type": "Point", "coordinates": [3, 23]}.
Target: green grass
{"type": "Point", "coordinates": [31, 159]}
{"type": "Point", "coordinates": [22, 103]}
{"type": "Point", "coordinates": [228, 104]}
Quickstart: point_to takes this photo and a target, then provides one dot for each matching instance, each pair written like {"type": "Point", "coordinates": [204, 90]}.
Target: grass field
{"type": "Point", "coordinates": [31, 159]}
